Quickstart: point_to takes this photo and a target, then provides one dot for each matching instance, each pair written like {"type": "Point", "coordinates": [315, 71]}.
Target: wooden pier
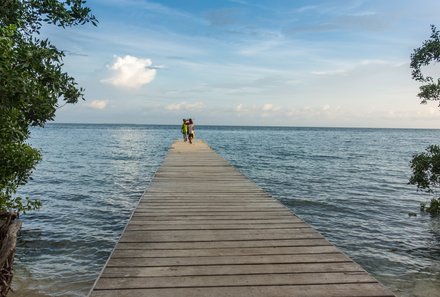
{"type": "Point", "coordinates": [204, 229]}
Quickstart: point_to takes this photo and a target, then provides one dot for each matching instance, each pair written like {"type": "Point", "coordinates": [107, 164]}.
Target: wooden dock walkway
{"type": "Point", "coordinates": [204, 229]}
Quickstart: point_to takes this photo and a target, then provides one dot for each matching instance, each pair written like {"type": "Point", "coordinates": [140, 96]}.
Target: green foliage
{"type": "Point", "coordinates": [433, 207]}
{"type": "Point", "coordinates": [426, 175]}
{"type": "Point", "coordinates": [31, 83]}
{"type": "Point", "coordinates": [426, 166]}
{"type": "Point", "coordinates": [428, 53]}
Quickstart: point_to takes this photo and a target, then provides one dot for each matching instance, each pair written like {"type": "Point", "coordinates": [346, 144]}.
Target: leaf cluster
{"type": "Point", "coordinates": [433, 207]}
{"type": "Point", "coordinates": [428, 53]}
{"type": "Point", "coordinates": [31, 83]}
{"type": "Point", "coordinates": [30, 15]}
{"type": "Point", "coordinates": [426, 175]}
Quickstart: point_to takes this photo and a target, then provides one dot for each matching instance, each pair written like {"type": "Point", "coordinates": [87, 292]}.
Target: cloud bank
{"type": "Point", "coordinates": [98, 104]}
{"type": "Point", "coordinates": [184, 106]}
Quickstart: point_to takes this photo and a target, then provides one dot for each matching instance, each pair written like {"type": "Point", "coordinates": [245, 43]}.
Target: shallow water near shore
{"type": "Point", "coordinates": [349, 184]}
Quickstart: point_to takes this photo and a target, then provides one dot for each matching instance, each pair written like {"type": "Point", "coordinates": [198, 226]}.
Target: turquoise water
{"type": "Point", "coordinates": [350, 184]}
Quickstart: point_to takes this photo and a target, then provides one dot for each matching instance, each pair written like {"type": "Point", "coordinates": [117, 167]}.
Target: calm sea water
{"type": "Point", "coordinates": [350, 184]}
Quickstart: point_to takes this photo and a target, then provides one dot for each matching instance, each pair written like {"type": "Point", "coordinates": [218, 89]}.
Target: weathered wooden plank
{"type": "Point", "coordinates": [245, 196]}
{"type": "Point", "coordinates": [203, 233]}
{"type": "Point", "coordinates": [211, 208]}
{"type": "Point", "coordinates": [205, 191]}
{"type": "Point", "coordinates": [234, 280]}
{"type": "Point", "coordinates": [250, 213]}
{"type": "Point", "coordinates": [124, 253]}
{"type": "Point", "coordinates": [207, 222]}
{"type": "Point", "coordinates": [340, 290]}
{"type": "Point", "coordinates": [222, 244]}
{"type": "Point", "coordinates": [226, 217]}
{"type": "Point", "coordinates": [217, 235]}
{"type": "Point", "coordinates": [210, 205]}
{"type": "Point", "coordinates": [195, 193]}
{"type": "Point", "coordinates": [207, 201]}
{"type": "Point", "coordinates": [231, 260]}
{"type": "Point", "coordinates": [145, 237]}
{"type": "Point", "coordinates": [146, 226]}
{"type": "Point", "coordinates": [231, 269]}
{"type": "Point", "coordinates": [199, 202]}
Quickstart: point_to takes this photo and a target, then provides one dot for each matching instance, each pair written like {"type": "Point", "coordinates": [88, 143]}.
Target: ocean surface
{"type": "Point", "coordinates": [350, 184]}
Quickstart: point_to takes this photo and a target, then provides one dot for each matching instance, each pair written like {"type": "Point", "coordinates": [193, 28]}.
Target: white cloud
{"type": "Point", "coordinates": [98, 104]}
{"type": "Point", "coordinates": [196, 106]}
{"type": "Point", "coordinates": [130, 72]}
{"type": "Point", "coordinates": [239, 108]}
{"type": "Point", "coordinates": [264, 110]}
{"type": "Point", "coordinates": [377, 62]}
{"type": "Point", "coordinates": [353, 66]}
{"type": "Point", "coordinates": [326, 107]}
{"type": "Point", "coordinates": [423, 112]}
{"type": "Point", "coordinates": [269, 107]}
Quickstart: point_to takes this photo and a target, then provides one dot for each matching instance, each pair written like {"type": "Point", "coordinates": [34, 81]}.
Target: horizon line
{"type": "Point", "coordinates": [250, 126]}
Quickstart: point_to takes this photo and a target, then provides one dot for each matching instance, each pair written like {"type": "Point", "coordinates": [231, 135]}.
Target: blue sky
{"type": "Point", "coordinates": [242, 62]}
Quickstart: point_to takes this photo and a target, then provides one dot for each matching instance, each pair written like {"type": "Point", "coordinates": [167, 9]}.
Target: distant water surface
{"type": "Point", "coordinates": [350, 184]}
